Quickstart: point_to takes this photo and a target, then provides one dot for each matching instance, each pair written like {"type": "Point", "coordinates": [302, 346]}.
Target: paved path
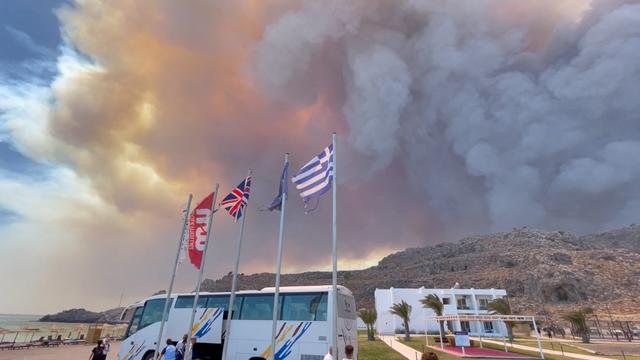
{"type": "Point", "coordinates": [548, 352]}
{"type": "Point", "coordinates": [611, 348]}
{"type": "Point", "coordinates": [476, 352]}
{"type": "Point", "coordinates": [401, 348]}
{"type": "Point", "coordinates": [64, 352]}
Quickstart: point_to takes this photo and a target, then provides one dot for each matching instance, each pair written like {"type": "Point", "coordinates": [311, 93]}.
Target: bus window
{"type": "Point", "coordinates": [152, 312]}
{"type": "Point", "coordinates": [135, 321]}
{"type": "Point", "coordinates": [304, 307]}
{"type": "Point", "coordinates": [222, 301]}
{"type": "Point", "coordinates": [186, 302]}
{"type": "Point", "coordinates": [257, 307]}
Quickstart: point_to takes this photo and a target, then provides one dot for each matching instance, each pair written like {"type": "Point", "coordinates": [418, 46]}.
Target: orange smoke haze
{"type": "Point", "coordinates": [164, 104]}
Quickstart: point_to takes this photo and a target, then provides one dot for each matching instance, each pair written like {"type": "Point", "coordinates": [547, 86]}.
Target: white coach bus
{"type": "Point", "coordinates": [303, 329]}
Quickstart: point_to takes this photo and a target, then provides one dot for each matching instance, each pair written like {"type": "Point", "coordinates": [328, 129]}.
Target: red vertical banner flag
{"type": "Point", "coordinates": [198, 221]}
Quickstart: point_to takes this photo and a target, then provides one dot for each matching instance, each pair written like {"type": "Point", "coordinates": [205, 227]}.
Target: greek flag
{"type": "Point", "coordinates": [316, 177]}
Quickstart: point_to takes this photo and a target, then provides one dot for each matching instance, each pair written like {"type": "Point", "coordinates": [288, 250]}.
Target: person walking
{"type": "Point", "coordinates": [106, 346]}
{"type": "Point", "coordinates": [348, 352]}
{"type": "Point", "coordinates": [329, 355]}
{"type": "Point", "coordinates": [181, 347]}
{"type": "Point", "coordinates": [169, 351]}
{"type": "Point", "coordinates": [97, 352]}
{"type": "Point", "coordinates": [195, 352]}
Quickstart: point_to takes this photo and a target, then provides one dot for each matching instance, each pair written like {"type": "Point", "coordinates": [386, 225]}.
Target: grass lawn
{"type": "Point", "coordinates": [569, 347]}
{"type": "Point", "coordinates": [549, 345]}
{"type": "Point", "coordinates": [375, 350]}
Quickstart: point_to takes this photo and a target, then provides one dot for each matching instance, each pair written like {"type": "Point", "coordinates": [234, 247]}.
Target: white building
{"type": "Point", "coordinates": [455, 301]}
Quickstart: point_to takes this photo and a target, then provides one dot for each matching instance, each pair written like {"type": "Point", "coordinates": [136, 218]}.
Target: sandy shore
{"type": "Point", "coordinates": [65, 352]}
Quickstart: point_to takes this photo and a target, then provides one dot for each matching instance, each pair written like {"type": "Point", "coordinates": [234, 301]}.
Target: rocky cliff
{"type": "Point", "coordinates": [84, 316]}
{"type": "Point", "coordinates": [543, 272]}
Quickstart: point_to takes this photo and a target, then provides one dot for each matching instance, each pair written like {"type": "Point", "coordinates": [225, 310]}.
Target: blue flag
{"type": "Point", "coordinates": [277, 202]}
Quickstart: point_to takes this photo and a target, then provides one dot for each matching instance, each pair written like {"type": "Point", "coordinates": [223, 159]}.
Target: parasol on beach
{"type": "Point", "coordinates": [80, 329]}
{"type": "Point", "coordinates": [16, 337]}
{"type": "Point", "coordinates": [4, 332]}
{"type": "Point", "coordinates": [55, 330]}
{"type": "Point", "coordinates": [31, 330]}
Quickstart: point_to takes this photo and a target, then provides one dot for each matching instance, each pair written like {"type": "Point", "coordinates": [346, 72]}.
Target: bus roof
{"type": "Point", "coordinates": [283, 289]}
{"type": "Point", "coordinates": [290, 289]}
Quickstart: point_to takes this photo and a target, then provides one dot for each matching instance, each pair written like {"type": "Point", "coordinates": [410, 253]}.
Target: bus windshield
{"type": "Point", "coordinates": [152, 312]}
{"type": "Point", "coordinates": [143, 316]}
{"type": "Point", "coordinates": [134, 315]}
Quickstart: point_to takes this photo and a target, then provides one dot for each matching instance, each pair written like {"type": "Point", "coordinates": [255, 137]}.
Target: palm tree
{"type": "Point", "coordinates": [434, 303]}
{"type": "Point", "coordinates": [369, 317]}
{"type": "Point", "coordinates": [501, 306]}
{"type": "Point", "coordinates": [578, 320]}
{"type": "Point", "coordinates": [403, 310]}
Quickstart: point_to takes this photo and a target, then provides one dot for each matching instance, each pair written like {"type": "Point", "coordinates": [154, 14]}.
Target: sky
{"type": "Point", "coordinates": [452, 119]}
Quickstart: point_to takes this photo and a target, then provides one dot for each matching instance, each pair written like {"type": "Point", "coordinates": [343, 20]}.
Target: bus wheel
{"type": "Point", "coordinates": [148, 355]}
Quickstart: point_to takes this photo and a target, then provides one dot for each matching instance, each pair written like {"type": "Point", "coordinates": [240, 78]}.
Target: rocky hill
{"type": "Point", "coordinates": [84, 316]}
{"type": "Point", "coordinates": [543, 272]}
{"type": "Point", "coordinates": [626, 238]}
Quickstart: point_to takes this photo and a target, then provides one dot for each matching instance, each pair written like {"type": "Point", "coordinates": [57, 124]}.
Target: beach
{"type": "Point", "coordinates": [64, 352]}
{"type": "Point", "coordinates": [27, 328]}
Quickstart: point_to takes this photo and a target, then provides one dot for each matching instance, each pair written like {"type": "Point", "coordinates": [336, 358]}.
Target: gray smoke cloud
{"type": "Point", "coordinates": [503, 113]}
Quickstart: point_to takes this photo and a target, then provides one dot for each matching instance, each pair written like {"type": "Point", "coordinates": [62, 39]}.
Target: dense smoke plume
{"type": "Point", "coordinates": [504, 113]}
{"type": "Point", "coordinates": [454, 117]}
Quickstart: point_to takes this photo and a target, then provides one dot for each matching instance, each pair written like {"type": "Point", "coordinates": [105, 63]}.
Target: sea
{"type": "Point", "coordinates": [25, 328]}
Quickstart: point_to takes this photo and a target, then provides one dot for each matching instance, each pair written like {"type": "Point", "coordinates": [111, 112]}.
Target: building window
{"type": "Point", "coordinates": [462, 303]}
{"type": "Point", "coordinates": [446, 301]}
{"type": "Point", "coordinates": [483, 303]}
{"type": "Point", "coordinates": [488, 326]}
{"type": "Point", "coordinates": [465, 326]}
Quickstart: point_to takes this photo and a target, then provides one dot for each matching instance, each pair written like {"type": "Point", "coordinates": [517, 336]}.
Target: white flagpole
{"type": "Point", "coordinates": [276, 295]}
{"type": "Point", "coordinates": [234, 280]}
{"type": "Point", "coordinates": [334, 249]}
{"type": "Point", "coordinates": [204, 258]}
{"type": "Point", "coordinates": [173, 275]}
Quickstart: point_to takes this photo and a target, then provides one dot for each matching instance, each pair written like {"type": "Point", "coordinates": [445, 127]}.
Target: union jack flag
{"type": "Point", "coordinates": [236, 201]}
